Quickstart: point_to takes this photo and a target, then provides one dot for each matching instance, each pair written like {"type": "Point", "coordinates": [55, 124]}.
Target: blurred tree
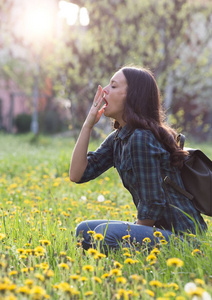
{"type": "Point", "coordinates": [11, 65]}
{"type": "Point", "coordinates": [172, 38]}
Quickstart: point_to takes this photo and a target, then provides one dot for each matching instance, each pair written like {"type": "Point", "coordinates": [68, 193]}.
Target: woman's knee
{"type": "Point", "coordinates": [107, 231]}
{"type": "Point", "coordinates": [82, 227]}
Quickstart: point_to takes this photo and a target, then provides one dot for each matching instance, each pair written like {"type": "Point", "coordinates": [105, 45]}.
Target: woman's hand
{"type": "Point", "coordinates": [95, 112]}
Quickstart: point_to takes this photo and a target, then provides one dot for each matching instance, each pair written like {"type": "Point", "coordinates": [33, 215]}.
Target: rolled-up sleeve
{"type": "Point", "coordinates": [146, 153]}
{"type": "Point", "coordinates": [100, 160]}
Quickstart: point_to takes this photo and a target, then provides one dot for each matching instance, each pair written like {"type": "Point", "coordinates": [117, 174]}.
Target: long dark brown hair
{"type": "Point", "coordinates": [143, 110]}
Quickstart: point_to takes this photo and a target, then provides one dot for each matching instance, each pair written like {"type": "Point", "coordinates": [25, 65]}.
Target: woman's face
{"type": "Point", "coordinates": [115, 97]}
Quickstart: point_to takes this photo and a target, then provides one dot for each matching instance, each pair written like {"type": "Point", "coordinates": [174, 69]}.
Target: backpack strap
{"type": "Point", "coordinates": [175, 186]}
{"type": "Point", "coordinates": [181, 140]}
{"type": "Point", "coordinates": [167, 180]}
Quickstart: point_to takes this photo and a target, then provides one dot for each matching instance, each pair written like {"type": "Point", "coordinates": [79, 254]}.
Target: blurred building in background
{"type": "Point", "coordinates": [27, 27]}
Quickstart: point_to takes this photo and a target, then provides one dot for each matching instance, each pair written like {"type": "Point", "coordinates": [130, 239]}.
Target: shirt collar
{"type": "Point", "coordinates": [124, 132]}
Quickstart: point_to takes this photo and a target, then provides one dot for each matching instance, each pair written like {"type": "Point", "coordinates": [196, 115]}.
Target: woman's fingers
{"type": "Point", "coordinates": [95, 111]}
{"type": "Point", "coordinates": [98, 97]}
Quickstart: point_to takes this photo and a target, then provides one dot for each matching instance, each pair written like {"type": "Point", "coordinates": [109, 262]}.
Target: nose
{"type": "Point", "coordinates": [105, 90]}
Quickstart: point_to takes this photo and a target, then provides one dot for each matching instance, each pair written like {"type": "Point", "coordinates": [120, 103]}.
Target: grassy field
{"type": "Point", "coordinates": [39, 255]}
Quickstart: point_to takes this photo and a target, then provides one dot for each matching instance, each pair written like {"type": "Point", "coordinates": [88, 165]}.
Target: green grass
{"type": "Point", "coordinates": [38, 202]}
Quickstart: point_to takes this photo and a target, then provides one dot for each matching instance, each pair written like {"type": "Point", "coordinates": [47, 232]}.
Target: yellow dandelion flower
{"type": "Point", "coordinates": [130, 261]}
{"type": "Point", "coordinates": [21, 251]}
{"type": "Point", "coordinates": [29, 251]}
{"type": "Point", "coordinates": [12, 287]}
{"type": "Point", "coordinates": [155, 283]}
{"type": "Point", "coordinates": [40, 277]}
{"type": "Point", "coordinates": [126, 237]}
{"type": "Point", "coordinates": [63, 266]}
{"type": "Point", "coordinates": [151, 257]}
{"type": "Point", "coordinates": [3, 288]}
{"type": "Point", "coordinates": [92, 251]}
{"type": "Point", "coordinates": [136, 277]}
{"type": "Point", "coordinates": [48, 273]}
{"type": "Point", "coordinates": [65, 287]}
{"type": "Point", "coordinates": [74, 277]}
{"type": "Point", "coordinates": [2, 236]}
{"type": "Point", "coordinates": [173, 285]}
{"type": "Point", "coordinates": [62, 229]}
{"type": "Point", "coordinates": [195, 252]}
{"type": "Point", "coordinates": [40, 249]}
{"type": "Point", "coordinates": [158, 234]}
{"type": "Point", "coordinates": [98, 237]}
{"type": "Point", "coordinates": [198, 291]}
{"type": "Point", "coordinates": [153, 262]}
{"type": "Point", "coordinates": [121, 279]}
{"type": "Point", "coordinates": [97, 279]}
{"type": "Point", "coordinates": [199, 281]}
{"type": "Point", "coordinates": [127, 254]}
{"type": "Point", "coordinates": [37, 291]}
{"type": "Point", "coordinates": [62, 254]}
{"type": "Point", "coordinates": [99, 256]}
{"type": "Point", "coordinates": [180, 298]}
{"type": "Point", "coordinates": [83, 278]}
{"type": "Point", "coordinates": [155, 251]}
{"type": "Point", "coordinates": [106, 275]}
{"type": "Point", "coordinates": [191, 235]}
{"type": "Point", "coordinates": [25, 270]}
{"type": "Point", "coordinates": [126, 249]}
{"type": "Point", "coordinates": [44, 266]}
{"type": "Point", "coordinates": [88, 268]}
{"type": "Point", "coordinates": [116, 272]}
{"type": "Point", "coordinates": [55, 286]}
{"type": "Point", "coordinates": [88, 293]}
{"type": "Point", "coordinates": [122, 294]}
{"type": "Point", "coordinates": [91, 232]}
{"type": "Point", "coordinates": [117, 265]}
{"type": "Point", "coordinates": [28, 282]}
{"type": "Point", "coordinates": [169, 294]}
{"type": "Point", "coordinates": [13, 273]}
{"type": "Point", "coordinates": [44, 242]}
{"type": "Point", "coordinates": [146, 240]}
{"type": "Point", "coordinates": [23, 290]}
{"type": "Point", "coordinates": [70, 259]}
{"type": "Point", "coordinates": [150, 293]}
{"type": "Point", "coordinates": [175, 262]}
{"type": "Point", "coordinates": [163, 242]}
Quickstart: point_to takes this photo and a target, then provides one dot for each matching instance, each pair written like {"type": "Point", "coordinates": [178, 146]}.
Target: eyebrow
{"type": "Point", "coordinates": [112, 81]}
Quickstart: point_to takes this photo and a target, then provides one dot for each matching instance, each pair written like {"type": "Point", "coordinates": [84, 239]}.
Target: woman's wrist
{"type": "Point", "coordinates": [87, 126]}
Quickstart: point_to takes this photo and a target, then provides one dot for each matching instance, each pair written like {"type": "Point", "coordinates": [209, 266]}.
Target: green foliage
{"type": "Point", "coordinates": [172, 38]}
{"type": "Point", "coordinates": [23, 122]}
{"type": "Point", "coordinates": [155, 34]}
{"type": "Point", "coordinates": [50, 122]}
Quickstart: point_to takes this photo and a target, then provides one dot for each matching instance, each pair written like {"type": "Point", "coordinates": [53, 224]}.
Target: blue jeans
{"type": "Point", "coordinates": [113, 232]}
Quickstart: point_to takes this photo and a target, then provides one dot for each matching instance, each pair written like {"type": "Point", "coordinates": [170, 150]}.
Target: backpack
{"type": "Point", "coordinates": [196, 175]}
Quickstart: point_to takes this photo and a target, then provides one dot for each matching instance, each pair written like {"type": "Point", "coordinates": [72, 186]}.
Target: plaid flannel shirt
{"type": "Point", "coordinates": [142, 162]}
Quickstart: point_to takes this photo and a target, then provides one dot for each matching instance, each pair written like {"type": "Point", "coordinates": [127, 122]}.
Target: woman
{"type": "Point", "coordinates": [143, 149]}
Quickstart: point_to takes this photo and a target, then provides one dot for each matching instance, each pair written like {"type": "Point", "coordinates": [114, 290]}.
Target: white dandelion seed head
{"type": "Point", "coordinates": [100, 198]}
{"type": "Point", "coordinates": [189, 287]}
{"type": "Point", "coordinates": [83, 198]}
{"type": "Point", "coordinates": [206, 296]}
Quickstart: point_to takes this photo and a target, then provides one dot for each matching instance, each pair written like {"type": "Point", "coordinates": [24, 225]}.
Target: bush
{"type": "Point", "coordinates": [23, 122]}
{"type": "Point", "coordinates": [50, 122]}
